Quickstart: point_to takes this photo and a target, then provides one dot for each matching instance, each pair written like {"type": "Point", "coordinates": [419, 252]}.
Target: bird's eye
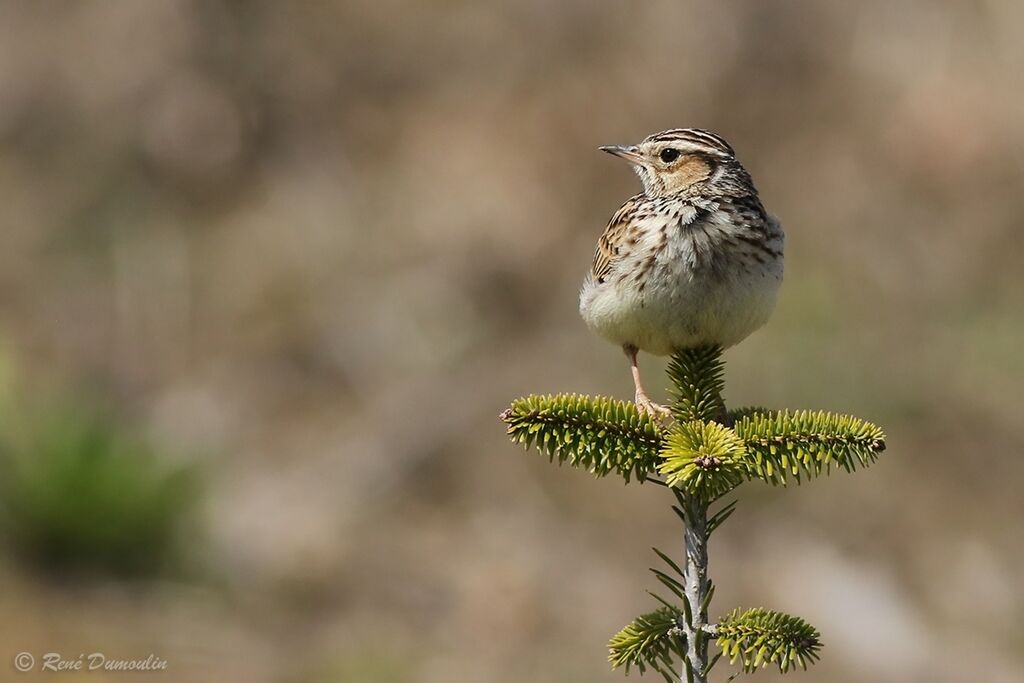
{"type": "Point", "coordinates": [669, 154]}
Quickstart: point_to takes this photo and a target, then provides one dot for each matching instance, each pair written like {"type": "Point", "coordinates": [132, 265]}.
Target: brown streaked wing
{"type": "Point", "coordinates": [614, 233]}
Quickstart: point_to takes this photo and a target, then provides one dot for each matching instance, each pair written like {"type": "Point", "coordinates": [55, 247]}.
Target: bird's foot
{"type": "Point", "coordinates": [656, 411]}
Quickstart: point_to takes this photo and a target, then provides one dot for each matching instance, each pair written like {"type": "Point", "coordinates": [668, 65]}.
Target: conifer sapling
{"type": "Point", "coordinates": [702, 455]}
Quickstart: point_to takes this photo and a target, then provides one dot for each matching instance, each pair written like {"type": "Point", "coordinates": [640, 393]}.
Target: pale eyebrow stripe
{"type": "Point", "coordinates": [697, 138]}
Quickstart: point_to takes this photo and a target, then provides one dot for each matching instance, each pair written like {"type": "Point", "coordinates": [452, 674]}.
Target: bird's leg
{"type": "Point", "coordinates": [645, 404]}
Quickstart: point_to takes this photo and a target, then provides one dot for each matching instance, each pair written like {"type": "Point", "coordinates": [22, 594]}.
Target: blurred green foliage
{"type": "Point", "coordinates": [80, 494]}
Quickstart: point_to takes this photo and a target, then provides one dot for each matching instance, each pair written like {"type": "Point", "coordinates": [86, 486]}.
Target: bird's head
{"type": "Point", "coordinates": [683, 161]}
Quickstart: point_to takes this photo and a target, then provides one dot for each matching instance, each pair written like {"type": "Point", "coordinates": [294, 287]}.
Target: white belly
{"type": "Point", "coordinates": [679, 307]}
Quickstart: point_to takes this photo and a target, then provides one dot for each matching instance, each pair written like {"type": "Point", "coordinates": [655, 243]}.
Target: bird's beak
{"type": "Point", "coordinates": [628, 152]}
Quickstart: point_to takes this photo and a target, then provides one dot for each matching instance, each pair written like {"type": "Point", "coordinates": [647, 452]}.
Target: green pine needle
{"type": "Point", "coordinates": [735, 414]}
{"type": "Point", "coordinates": [703, 458]}
{"type": "Point", "coordinates": [649, 641]}
{"type": "Point", "coordinates": [697, 384]}
{"type": "Point", "coordinates": [759, 637]}
{"type": "Point", "coordinates": [599, 434]}
{"type": "Point", "coordinates": [783, 444]}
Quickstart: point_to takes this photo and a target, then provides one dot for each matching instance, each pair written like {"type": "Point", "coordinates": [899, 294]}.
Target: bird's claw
{"type": "Point", "coordinates": [656, 411]}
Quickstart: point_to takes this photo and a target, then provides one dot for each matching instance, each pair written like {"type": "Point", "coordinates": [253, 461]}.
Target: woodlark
{"type": "Point", "coordinates": [694, 259]}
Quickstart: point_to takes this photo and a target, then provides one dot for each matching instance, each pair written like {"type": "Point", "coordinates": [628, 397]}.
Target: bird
{"type": "Point", "coordinates": [692, 260]}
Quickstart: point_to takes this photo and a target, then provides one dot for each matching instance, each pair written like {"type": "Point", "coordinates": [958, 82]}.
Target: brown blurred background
{"type": "Point", "coordinates": [270, 270]}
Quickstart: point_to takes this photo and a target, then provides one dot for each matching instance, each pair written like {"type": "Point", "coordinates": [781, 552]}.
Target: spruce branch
{"type": "Point", "coordinates": [759, 637]}
{"type": "Point", "coordinates": [783, 444]}
{"type": "Point", "coordinates": [697, 384]}
{"type": "Point", "coordinates": [649, 641]}
{"type": "Point", "coordinates": [703, 458]}
{"type": "Point", "coordinates": [599, 434]}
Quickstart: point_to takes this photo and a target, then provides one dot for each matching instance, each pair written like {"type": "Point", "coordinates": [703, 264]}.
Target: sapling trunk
{"type": "Point", "coordinates": [697, 585]}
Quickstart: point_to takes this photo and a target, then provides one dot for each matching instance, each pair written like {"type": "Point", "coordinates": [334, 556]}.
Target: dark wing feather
{"type": "Point", "coordinates": [615, 232]}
